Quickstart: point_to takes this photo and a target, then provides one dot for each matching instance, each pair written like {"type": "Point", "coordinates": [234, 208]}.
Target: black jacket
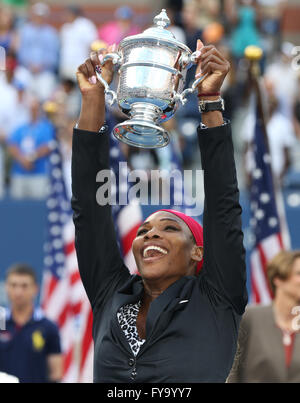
{"type": "Point", "coordinates": [193, 341]}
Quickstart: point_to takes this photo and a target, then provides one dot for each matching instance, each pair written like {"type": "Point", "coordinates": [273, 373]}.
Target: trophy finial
{"type": "Point", "coordinates": [162, 20]}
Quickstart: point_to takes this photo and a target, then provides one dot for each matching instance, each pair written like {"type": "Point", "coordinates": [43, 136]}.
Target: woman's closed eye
{"type": "Point", "coordinates": [141, 231]}
{"type": "Point", "coordinates": [171, 227]}
{"type": "Point", "coordinates": [167, 228]}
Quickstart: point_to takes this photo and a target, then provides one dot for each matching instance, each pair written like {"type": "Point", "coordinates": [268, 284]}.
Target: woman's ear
{"type": "Point", "coordinates": [197, 253]}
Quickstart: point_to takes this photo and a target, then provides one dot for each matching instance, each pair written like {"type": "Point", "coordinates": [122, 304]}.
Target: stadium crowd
{"type": "Point", "coordinates": [42, 99]}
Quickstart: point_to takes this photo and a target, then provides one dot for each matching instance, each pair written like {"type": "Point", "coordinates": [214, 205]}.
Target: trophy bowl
{"type": "Point", "coordinates": [152, 72]}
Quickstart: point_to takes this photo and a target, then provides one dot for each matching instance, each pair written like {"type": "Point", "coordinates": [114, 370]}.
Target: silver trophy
{"type": "Point", "coordinates": [152, 71]}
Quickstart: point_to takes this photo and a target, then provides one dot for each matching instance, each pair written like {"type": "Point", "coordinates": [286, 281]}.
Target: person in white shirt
{"type": "Point", "coordinates": [13, 112]}
{"type": "Point", "coordinates": [282, 79]}
{"type": "Point", "coordinates": [76, 37]}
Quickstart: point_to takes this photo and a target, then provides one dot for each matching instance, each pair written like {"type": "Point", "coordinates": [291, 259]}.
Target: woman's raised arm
{"type": "Point", "coordinates": [224, 254]}
{"type": "Point", "coordinates": [100, 264]}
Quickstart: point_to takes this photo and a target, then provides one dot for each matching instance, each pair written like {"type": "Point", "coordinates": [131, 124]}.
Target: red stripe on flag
{"type": "Point", "coordinates": [254, 290]}
{"type": "Point", "coordinates": [280, 241]}
{"type": "Point", "coordinates": [68, 357]}
{"type": "Point", "coordinates": [74, 278]}
{"type": "Point", "coordinates": [69, 248]}
{"type": "Point", "coordinates": [128, 239]}
{"type": "Point", "coordinates": [87, 340]}
{"type": "Point", "coordinates": [63, 315]}
{"type": "Point", "coordinates": [49, 290]}
{"type": "Point", "coordinates": [76, 308]}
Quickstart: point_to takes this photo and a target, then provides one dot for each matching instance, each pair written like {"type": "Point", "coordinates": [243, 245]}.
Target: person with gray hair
{"type": "Point", "coordinates": [269, 336]}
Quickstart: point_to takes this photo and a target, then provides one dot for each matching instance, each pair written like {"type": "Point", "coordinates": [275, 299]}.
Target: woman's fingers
{"type": "Point", "coordinates": [211, 50]}
{"type": "Point", "coordinates": [200, 45]}
{"type": "Point", "coordinates": [94, 57]}
{"type": "Point", "coordinates": [87, 69]}
{"type": "Point", "coordinates": [212, 58]}
{"type": "Point", "coordinates": [213, 67]}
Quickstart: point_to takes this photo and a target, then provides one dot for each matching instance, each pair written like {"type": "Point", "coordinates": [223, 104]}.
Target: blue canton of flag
{"type": "Point", "coordinates": [59, 213]}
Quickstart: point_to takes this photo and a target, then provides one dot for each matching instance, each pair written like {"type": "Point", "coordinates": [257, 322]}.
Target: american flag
{"type": "Point", "coordinates": [267, 238]}
{"type": "Point", "coordinates": [128, 217]}
{"type": "Point", "coordinates": [63, 297]}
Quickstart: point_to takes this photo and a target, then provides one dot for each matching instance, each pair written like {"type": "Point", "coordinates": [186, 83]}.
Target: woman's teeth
{"type": "Point", "coordinates": [153, 248]}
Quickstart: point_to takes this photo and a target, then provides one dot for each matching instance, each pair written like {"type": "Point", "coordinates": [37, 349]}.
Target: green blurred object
{"type": "Point", "coordinates": [15, 3]}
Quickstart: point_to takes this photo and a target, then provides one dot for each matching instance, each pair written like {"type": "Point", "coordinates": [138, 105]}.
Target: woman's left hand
{"type": "Point", "coordinates": [211, 62]}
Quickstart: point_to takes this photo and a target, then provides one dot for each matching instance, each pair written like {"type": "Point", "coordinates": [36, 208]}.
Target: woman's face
{"type": "Point", "coordinates": [291, 286]}
{"type": "Point", "coordinates": [164, 248]}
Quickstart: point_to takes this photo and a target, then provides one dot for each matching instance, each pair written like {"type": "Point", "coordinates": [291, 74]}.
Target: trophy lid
{"type": "Point", "coordinates": [161, 22]}
{"type": "Point", "coordinates": [158, 31]}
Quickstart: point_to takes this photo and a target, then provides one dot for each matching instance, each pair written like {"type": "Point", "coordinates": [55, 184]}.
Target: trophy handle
{"type": "Point", "coordinates": [183, 96]}
{"type": "Point", "coordinates": [116, 59]}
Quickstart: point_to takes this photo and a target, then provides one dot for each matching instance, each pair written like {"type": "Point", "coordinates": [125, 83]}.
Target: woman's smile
{"type": "Point", "coordinates": [153, 252]}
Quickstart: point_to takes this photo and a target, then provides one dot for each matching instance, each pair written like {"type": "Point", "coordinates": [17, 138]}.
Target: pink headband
{"type": "Point", "coordinates": [195, 228]}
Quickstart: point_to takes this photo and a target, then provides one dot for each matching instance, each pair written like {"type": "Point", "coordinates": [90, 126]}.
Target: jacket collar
{"type": "Point", "coordinates": [133, 290]}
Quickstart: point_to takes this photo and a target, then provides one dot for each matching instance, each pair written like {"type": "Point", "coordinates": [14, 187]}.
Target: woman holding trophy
{"type": "Point", "coordinates": [177, 321]}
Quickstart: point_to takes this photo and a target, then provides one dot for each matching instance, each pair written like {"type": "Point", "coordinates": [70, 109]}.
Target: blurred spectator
{"type": "Point", "coordinates": [209, 12]}
{"type": "Point", "coordinates": [65, 136]}
{"type": "Point", "coordinates": [121, 27]}
{"type": "Point", "coordinates": [245, 17]}
{"type": "Point", "coordinates": [8, 38]}
{"type": "Point", "coordinates": [282, 79]}
{"type": "Point", "coordinates": [177, 31]}
{"type": "Point", "coordinates": [269, 337]}
{"type": "Point", "coordinates": [176, 7]}
{"type": "Point", "coordinates": [190, 13]}
{"type": "Point", "coordinates": [213, 34]}
{"type": "Point", "coordinates": [29, 146]}
{"type": "Point", "coordinates": [30, 345]}
{"type": "Point", "coordinates": [13, 112]}
{"type": "Point", "coordinates": [38, 52]}
{"type": "Point", "coordinates": [76, 36]}
{"type": "Point", "coordinates": [272, 12]}
{"type": "Point", "coordinates": [67, 97]}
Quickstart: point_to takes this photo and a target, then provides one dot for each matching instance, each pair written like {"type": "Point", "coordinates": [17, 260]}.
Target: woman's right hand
{"type": "Point", "coordinates": [86, 76]}
{"type": "Point", "coordinates": [92, 114]}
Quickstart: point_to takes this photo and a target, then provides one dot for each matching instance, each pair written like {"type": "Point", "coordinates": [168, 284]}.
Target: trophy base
{"type": "Point", "coordinates": [141, 130]}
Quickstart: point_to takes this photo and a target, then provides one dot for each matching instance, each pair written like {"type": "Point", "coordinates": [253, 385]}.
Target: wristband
{"type": "Point", "coordinates": [211, 94]}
